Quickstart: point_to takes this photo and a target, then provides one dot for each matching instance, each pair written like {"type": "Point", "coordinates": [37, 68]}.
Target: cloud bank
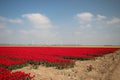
{"type": "Point", "coordinates": [36, 28]}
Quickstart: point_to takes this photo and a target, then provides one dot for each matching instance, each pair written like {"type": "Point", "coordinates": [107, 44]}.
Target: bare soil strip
{"type": "Point", "coordinates": [115, 74]}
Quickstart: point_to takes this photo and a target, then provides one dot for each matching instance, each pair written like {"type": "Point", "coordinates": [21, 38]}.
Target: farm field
{"type": "Point", "coordinates": [23, 62]}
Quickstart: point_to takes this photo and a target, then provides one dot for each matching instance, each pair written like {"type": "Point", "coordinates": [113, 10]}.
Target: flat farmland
{"type": "Point", "coordinates": [52, 62]}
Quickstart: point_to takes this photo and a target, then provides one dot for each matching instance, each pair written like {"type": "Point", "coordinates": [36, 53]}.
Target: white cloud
{"type": "Point", "coordinates": [39, 20]}
{"type": "Point", "coordinates": [101, 17]}
{"type": "Point", "coordinates": [114, 21]}
{"type": "Point", "coordinates": [2, 26]}
{"type": "Point", "coordinates": [14, 21]}
{"type": "Point", "coordinates": [85, 19]}
{"type": "Point", "coordinates": [89, 20]}
{"type": "Point", "coordinates": [86, 16]}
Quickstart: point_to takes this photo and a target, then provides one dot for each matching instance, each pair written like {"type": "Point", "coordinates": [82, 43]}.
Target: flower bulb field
{"type": "Point", "coordinates": [16, 57]}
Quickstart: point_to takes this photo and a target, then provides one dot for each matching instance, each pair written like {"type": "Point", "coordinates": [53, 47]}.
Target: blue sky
{"type": "Point", "coordinates": [73, 22]}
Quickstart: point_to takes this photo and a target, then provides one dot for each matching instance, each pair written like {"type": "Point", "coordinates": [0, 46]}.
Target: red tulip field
{"type": "Point", "coordinates": [14, 57]}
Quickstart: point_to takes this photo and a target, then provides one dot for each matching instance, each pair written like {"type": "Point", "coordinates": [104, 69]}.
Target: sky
{"type": "Point", "coordinates": [60, 22]}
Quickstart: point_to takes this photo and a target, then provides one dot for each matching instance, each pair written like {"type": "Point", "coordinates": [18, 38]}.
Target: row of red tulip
{"type": "Point", "coordinates": [35, 58]}
{"type": "Point", "coordinates": [6, 74]}
{"type": "Point", "coordinates": [8, 62]}
{"type": "Point", "coordinates": [55, 51]}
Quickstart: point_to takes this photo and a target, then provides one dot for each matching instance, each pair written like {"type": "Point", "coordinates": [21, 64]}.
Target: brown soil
{"type": "Point", "coordinates": [106, 67]}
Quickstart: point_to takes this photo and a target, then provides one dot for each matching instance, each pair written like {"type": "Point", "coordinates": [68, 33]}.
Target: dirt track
{"type": "Point", "coordinates": [116, 73]}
